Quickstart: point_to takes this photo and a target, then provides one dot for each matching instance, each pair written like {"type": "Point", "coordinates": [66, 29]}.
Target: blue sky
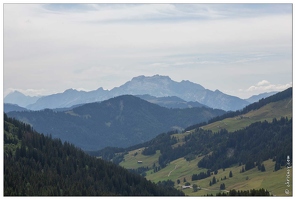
{"type": "Point", "coordinates": [240, 49]}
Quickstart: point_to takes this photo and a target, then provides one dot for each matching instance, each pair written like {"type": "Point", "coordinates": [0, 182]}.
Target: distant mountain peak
{"type": "Point", "coordinates": [20, 99]}
{"type": "Point", "coordinates": [70, 90]}
{"type": "Point", "coordinates": [186, 81]}
{"type": "Point", "coordinates": [100, 89]}
{"type": "Point", "coordinates": [14, 93]}
{"type": "Point", "coordinates": [161, 76]}
{"type": "Point", "coordinates": [154, 77]}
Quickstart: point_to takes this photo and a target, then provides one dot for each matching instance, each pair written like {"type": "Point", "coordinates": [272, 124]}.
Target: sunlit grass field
{"type": "Point", "coordinates": [131, 159]}
{"type": "Point", "coordinates": [268, 112]}
{"type": "Point", "coordinates": [181, 169]}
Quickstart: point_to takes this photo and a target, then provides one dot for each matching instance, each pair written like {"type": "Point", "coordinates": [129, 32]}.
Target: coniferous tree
{"type": "Point", "coordinates": [243, 169]}
{"type": "Point", "coordinates": [222, 186]}
{"type": "Point", "coordinates": [277, 166]}
{"type": "Point", "coordinates": [230, 174]}
{"type": "Point", "coordinates": [194, 186]}
{"type": "Point", "coordinates": [262, 168]}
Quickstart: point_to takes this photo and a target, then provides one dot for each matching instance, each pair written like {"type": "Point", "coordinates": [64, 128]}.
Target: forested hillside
{"type": "Point", "coordinates": [259, 147]}
{"type": "Point", "coordinates": [256, 143]}
{"type": "Point", "coordinates": [37, 165]}
{"type": "Point", "coordinates": [119, 122]}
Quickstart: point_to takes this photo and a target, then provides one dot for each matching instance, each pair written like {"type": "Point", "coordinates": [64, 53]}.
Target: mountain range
{"type": "Point", "coordinates": [156, 86]}
{"type": "Point", "coordinates": [120, 121]}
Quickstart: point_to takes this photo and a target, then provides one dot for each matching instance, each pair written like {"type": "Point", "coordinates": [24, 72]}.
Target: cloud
{"type": "Point", "coordinates": [266, 86]}
{"type": "Point", "coordinates": [164, 12]}
{"type": "Point", "coordinates": [263, 82]}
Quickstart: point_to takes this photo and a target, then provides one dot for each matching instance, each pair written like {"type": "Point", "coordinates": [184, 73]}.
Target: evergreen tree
{"type": "Point", "coordinates": [262, 168]}
{"type": "Point", "coordinates": [277, 166]}
{"type": "Point", "coordinates": [243, 169]}
{"type": "Point", "coordinates": [194, 186]}
{"type": "Point", "coordinates": [230, 174]}
{"type": "Point", "coordinates": [222, 186]}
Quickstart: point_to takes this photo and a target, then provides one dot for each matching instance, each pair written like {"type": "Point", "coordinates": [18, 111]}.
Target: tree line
{"type": "Point", "coordinates": [252, 192]}
{"type": "Point", "coordinates": [250, 146]}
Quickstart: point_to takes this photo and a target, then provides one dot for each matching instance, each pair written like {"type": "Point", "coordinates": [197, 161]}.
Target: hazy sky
{"type": "Point", "coordinates": [240, 49]}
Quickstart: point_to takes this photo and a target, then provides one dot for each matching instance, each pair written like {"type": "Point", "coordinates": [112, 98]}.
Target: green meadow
{"type": "Point", "coordinates": [274, 182]}
{"type": "Point", "coordinates": [131, 159]}
{"type": "Point", "coordinates": [181, 169]}
{"type": "Point", "coordinates": [268, 112]}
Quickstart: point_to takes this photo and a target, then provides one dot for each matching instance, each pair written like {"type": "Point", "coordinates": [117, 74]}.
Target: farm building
{"type": "Point", "coordinates": [186, 186]}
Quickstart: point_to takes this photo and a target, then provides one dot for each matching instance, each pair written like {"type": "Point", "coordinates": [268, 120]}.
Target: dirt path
{"type": "Point", "coordinates": [172, 170]}
{"type": "Point", "coordinates": [214, 190]}
{"type": "Point", "coordinates": [288, 103]}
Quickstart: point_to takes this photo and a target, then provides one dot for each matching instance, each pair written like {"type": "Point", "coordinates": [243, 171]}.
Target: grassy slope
{"type": "Point", "coordinates": [131, 160]}
{"type": "Point", "coordinates": [180, 168]}
{"type": "Point", "coordinates": [278, 109]}
{"type": "Point", "coordinates": [272, 181]}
